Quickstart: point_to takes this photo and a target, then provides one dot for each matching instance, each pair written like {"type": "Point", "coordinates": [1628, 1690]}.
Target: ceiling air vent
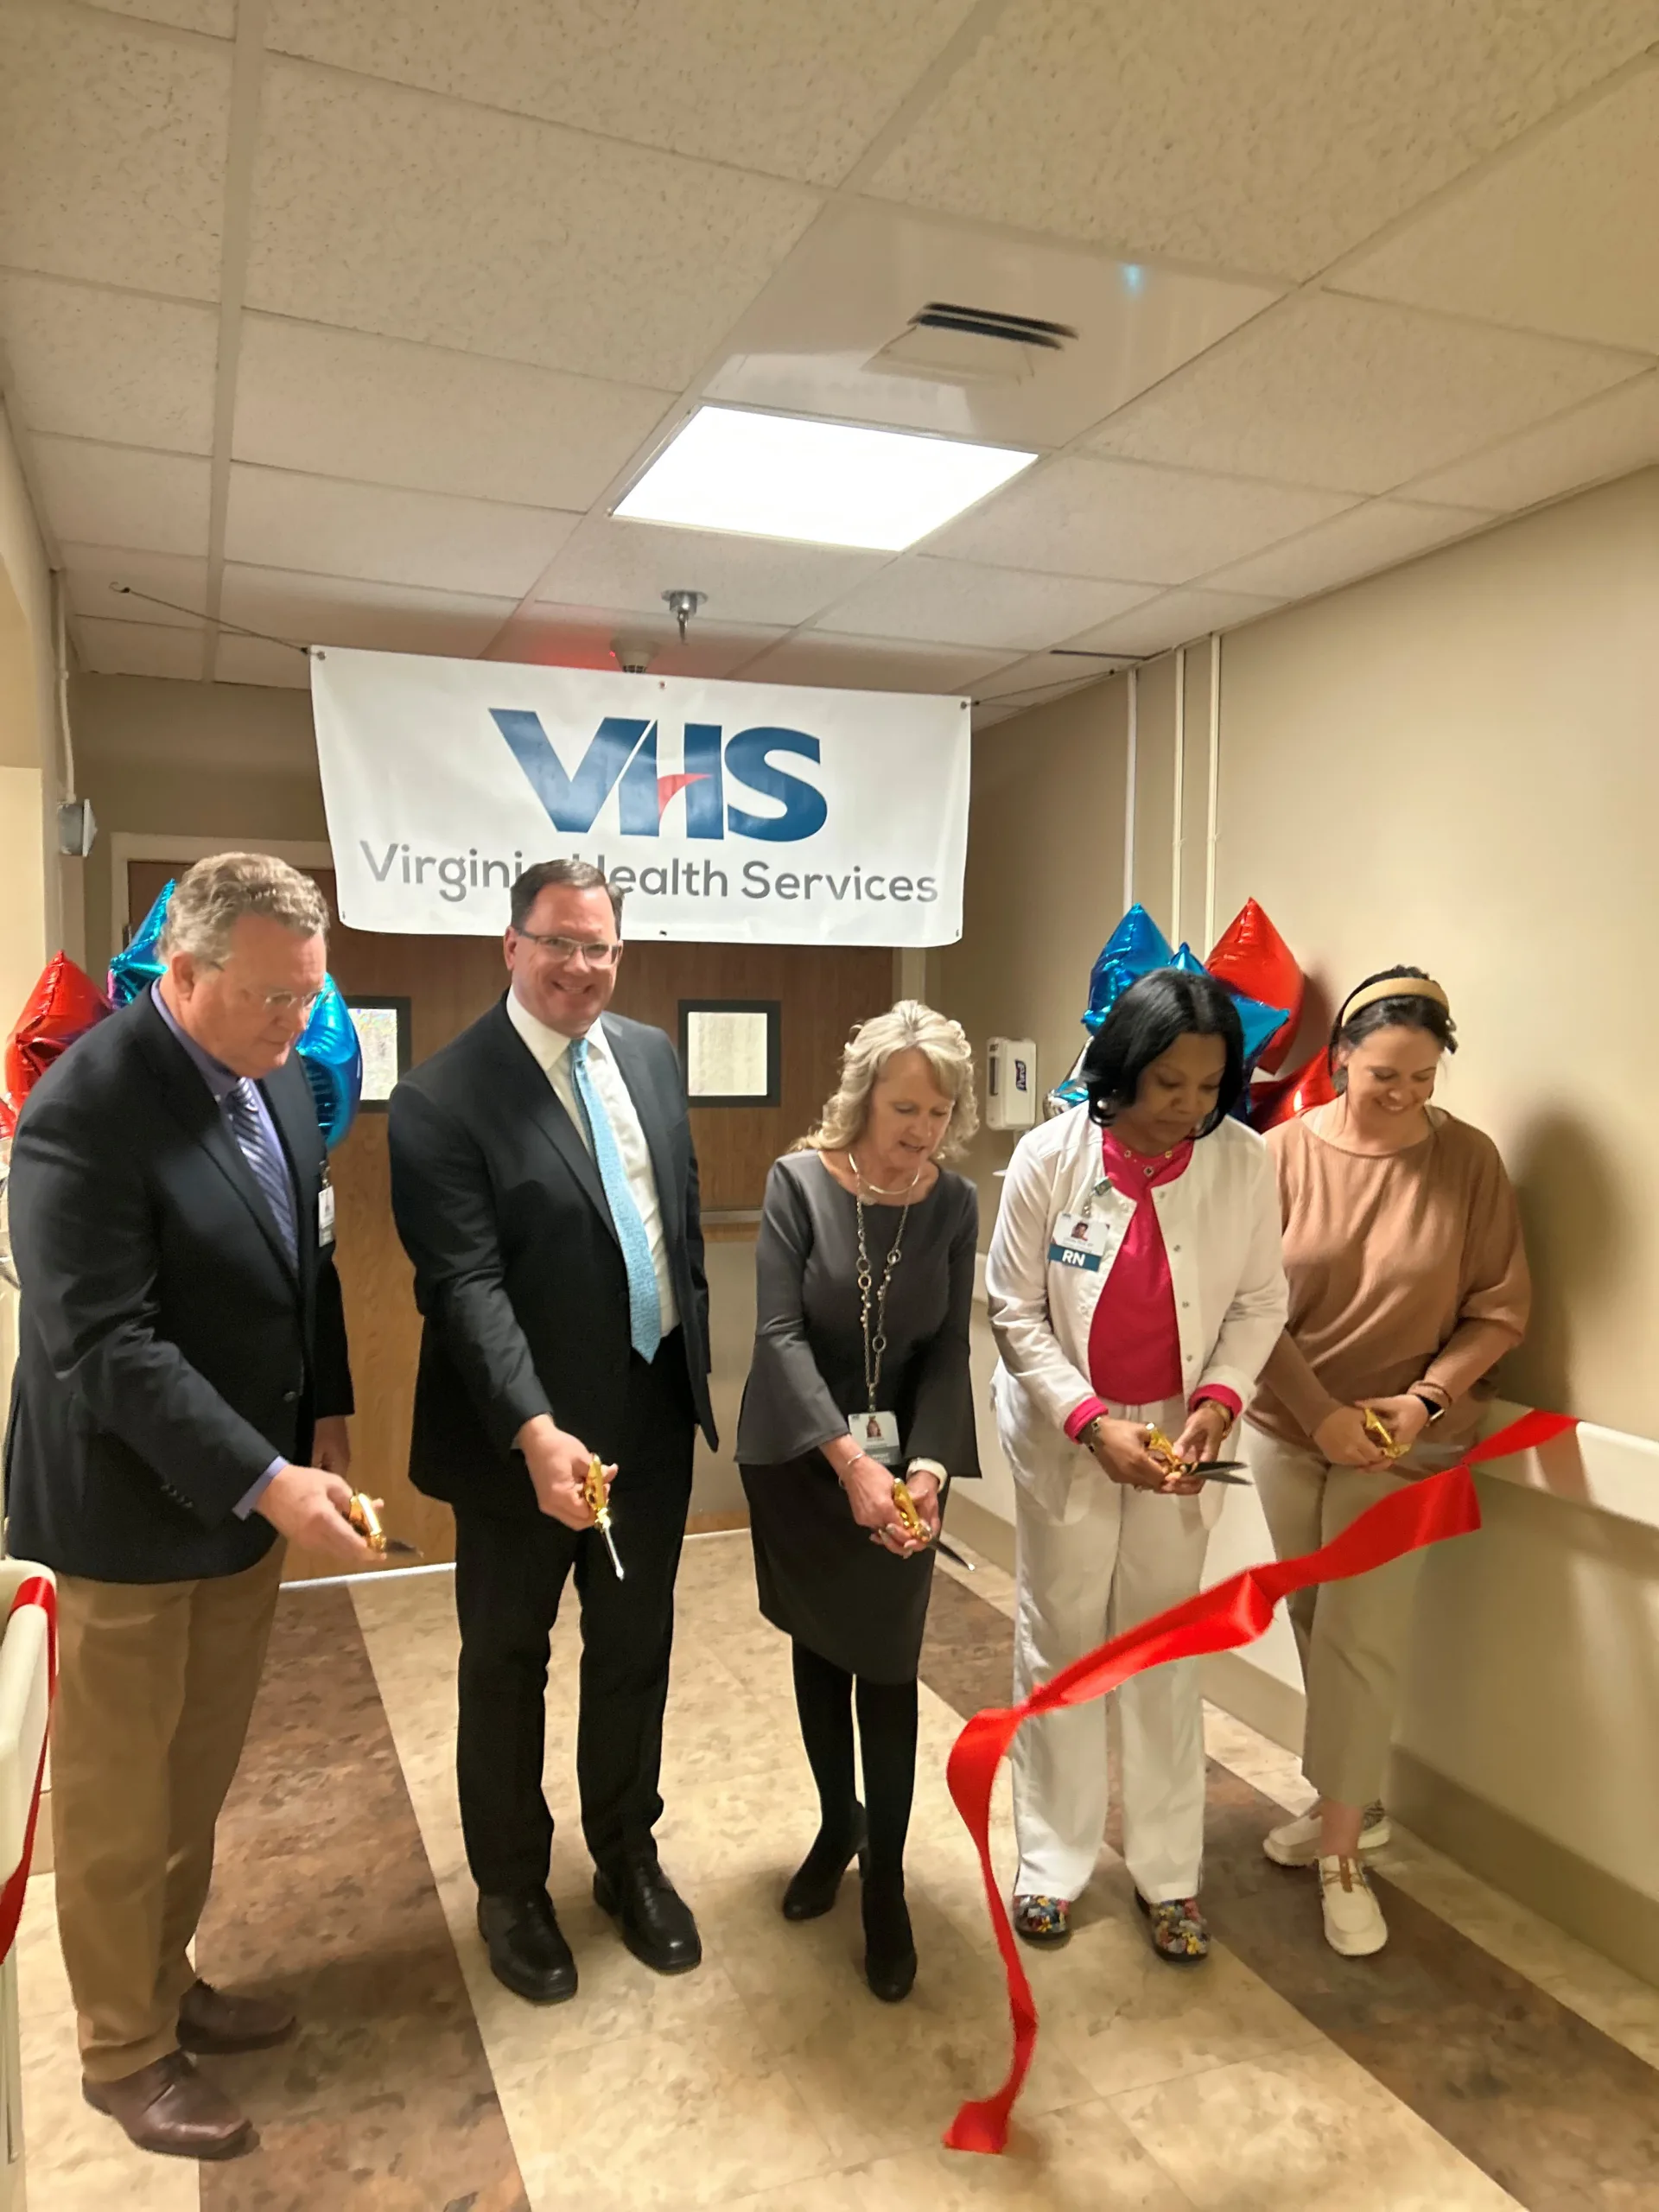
{"type": "Point", "coordinates": [947, 344]}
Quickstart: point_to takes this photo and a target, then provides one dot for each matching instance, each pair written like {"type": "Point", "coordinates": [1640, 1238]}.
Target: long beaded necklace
{"type": "Point", "coordinates": [871, 1300]}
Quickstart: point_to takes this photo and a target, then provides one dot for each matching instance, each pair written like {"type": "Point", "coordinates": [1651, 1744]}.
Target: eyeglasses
{"type": "Point", "coordinates": [286, 1003]}
{"type": "Point", "coordinates": [569, 949]}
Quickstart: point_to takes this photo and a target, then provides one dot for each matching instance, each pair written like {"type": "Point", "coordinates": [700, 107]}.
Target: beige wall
{"type": "Point", "coordinates": [1045, 884]}
{"type": "Point", "coordinates": [1456, 764]}
{"type": "Point", "coordinates": [29, 887]}
{"type": "Point", "coordinates": [235, 761]}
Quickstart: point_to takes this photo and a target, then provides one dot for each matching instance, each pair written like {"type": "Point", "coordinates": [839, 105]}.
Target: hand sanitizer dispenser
{"type": "Point", "coordinates": [1011, 1084]}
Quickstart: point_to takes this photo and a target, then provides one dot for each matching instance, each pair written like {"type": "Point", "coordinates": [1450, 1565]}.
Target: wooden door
{"type": "Point", "coordinates": [449, 981]}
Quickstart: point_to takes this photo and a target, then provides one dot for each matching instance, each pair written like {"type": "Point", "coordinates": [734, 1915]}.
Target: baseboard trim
{"type": "Point", "coordinates": [1260, 1699]}
{"type": "Point", "coordinates": [983, 1531]}
{"type": "Point", "coordinates": [716, 1524]}
{"type": "Point", "coordinates": [1585, 1900]}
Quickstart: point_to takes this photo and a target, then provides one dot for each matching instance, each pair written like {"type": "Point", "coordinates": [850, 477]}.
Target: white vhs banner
{"type": "Point", "coordinates": [730, 812]}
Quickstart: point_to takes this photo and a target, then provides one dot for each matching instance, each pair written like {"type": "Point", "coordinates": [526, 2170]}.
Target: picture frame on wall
{"type": "Point", "coordinates": [382, 1030]}
{"type": "Point", "coordinates": [732, 1050]}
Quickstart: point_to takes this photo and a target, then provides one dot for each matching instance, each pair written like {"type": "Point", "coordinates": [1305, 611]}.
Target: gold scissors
{"type": "Point", "coordinates": [599, 1505]}
{"type": "Point", "coordinates": [364, 1517]}
{"type": "Point", "coordinates": [1382, 1436]}
{"type": "Point", "coordinates": [1203, 1471]}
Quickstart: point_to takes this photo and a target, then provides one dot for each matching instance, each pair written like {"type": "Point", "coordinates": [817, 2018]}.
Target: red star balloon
{"type": "Point", "coordinates": [63, 1005]}
{"type": "Point", "coordinates": [1252, 959]}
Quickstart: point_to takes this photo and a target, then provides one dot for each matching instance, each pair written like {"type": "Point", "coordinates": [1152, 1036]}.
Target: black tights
{"type": "Point", "coordinates": [825, 1697]}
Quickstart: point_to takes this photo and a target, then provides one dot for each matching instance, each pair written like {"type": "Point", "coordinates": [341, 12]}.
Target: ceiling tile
{"type": "Point", "coordinates": [140, 649]}
{"type": "Point", "coordinates": [113, 140]}
{"type": "Point", "coordinates": [390, 210]}
{"type": "Point", "coordinates": [252, 660]}
{"type": "Point", "coordinates": [1120, 519]}
{"type": "Point", "coordinates": [1608, 436]}
{"type": "Point", "coordinates": [385, 412]}
{"type": "Point", "coordinates": [812, 81]}
{"type": "Point", "coordinates": [817, 341]}
{"type": "Point", "coordinates": [93, 571]}
{"type": "Point", "coordinates": [1364, 539]}
{"type": "Point", "coordinates": [1353, 395]}
{"type": "Point", "coordinates": [1039, 678]}
{"type": "Point", "coordinates": [217, 18]}
{"type": "Point", "coordinates": [631, 564]}
{"type": "Point", "coordinates": [94, 363]}
{"type": "Point", "coordinates": [960, 603]}
{"type": "Point", "coordinates": [1176, 618]}
{"type": "Point", "coordinates": [122, 496]}
{"type": "Point", "coordinates": [1270, 137]}
{"type": "Point", "coordinates": [377, 618]}
{"type": "Point", "coordinates": [871, 665]}
{"type": "Point", "coordinates": [1563, 235]}
{"type": "Point", "coordinates": [581, 636]}
{"type": "Point", "coordinates": [319, 525]}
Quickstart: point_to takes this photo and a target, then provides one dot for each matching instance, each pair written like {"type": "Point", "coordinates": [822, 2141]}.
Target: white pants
{"type": "Point", "coordinates": [1130, 1553]}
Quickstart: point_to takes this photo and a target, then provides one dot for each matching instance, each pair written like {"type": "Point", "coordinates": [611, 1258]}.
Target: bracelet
{"type": "Point", "coordinates": [1086, 1433]}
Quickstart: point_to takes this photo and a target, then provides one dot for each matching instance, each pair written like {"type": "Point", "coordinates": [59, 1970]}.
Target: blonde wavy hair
{"type": "Point", "coordinates": [909, 1027]}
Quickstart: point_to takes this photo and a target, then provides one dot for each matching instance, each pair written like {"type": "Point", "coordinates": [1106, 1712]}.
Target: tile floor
{"type": "Point", "coordinates": [769, 2080]}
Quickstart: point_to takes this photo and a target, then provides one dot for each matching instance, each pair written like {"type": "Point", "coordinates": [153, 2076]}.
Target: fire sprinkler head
{"type": "Point", "coordinates": [683, 604]}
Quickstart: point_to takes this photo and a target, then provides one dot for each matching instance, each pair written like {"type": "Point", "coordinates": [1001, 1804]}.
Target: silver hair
{"type": "Point", "coordinates": [213, 897]}
{"type": "Point", "coordinates": [909, 1026]}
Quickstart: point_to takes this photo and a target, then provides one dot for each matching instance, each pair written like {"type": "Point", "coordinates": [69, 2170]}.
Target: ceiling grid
{"type": "Point", "coordinates": [351, 321]}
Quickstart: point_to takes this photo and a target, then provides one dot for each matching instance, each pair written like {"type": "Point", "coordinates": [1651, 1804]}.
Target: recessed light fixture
{"type": "Point", "coordinates": [826, 483]}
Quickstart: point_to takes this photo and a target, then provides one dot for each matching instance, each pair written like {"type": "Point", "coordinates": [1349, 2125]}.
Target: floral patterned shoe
{"type": "Point", "coordinates": [1042, 1920]}
{"type": "Point", "coordinates": [1178, 1930]}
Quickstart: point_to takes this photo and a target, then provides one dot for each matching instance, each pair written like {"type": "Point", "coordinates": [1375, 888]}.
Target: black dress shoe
{"type": "Point", "coordinates": [815, 1883]}
{"type": "Point", "coordinates": [655, 1920]}
{"type": "Point", "coordinates": [889, 1948]}
{"type": "Point", "coordinates": [528, 1953]}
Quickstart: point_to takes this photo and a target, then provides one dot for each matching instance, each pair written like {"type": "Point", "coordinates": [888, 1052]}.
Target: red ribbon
{"type": "Point", "coordinates": [37, 1590]}
{"type": "Point", "coordinates": [1235, 1611]}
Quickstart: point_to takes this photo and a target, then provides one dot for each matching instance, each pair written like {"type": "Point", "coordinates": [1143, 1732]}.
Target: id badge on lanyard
{"type": "Point", "coordinates": [876, 1436]}
{"type": "Point", "coordinates": [1079, 1240]}
{"type": "Point", "coordinates": [326, 1212]}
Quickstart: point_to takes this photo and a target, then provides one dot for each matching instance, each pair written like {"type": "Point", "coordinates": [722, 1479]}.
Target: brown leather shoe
{"type": "Point", "coordinates": [167, 2106]}
{"type": "Point", "coordinates": [215, 2024]}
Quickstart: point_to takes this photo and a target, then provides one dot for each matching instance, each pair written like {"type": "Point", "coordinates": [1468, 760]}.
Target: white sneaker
{"type": "Point", "coordinates": [1297, 1843]}
{"type": "Point", "coordinates": [1353, 1919]}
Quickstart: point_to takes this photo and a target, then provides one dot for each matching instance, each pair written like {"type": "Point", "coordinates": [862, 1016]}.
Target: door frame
{"type": "Point", "coordinates": [147, 845]}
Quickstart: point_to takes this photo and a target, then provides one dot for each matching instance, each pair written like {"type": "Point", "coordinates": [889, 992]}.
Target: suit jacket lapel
{"type": "Point", "coordinates": [194, 1106]}
{"type": "Point", "coordinates": [545, 1109]}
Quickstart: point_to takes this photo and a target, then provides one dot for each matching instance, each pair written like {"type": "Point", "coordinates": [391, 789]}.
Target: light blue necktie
{"type": "Point", "coordinates": [644, 1306]}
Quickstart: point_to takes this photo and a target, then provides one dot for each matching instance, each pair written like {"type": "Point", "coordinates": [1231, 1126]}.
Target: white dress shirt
{"type": "Point", "coordinates": [551, 1049]}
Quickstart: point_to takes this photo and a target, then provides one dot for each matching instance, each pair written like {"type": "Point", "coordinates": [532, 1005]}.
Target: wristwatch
{"type": "Point", "coordinates": [1434, 1406]}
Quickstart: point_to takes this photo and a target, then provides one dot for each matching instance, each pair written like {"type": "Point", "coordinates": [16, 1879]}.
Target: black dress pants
{"type": "Point", "coordinates": [510, 1577]}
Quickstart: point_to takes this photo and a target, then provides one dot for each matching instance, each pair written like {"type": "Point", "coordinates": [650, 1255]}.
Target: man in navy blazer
{"type": "Point", "coordinates": [178, 1406]}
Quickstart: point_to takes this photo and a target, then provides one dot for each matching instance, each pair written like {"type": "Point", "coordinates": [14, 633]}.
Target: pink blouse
{"type": "Point", "coordinates": [1134, 1346]}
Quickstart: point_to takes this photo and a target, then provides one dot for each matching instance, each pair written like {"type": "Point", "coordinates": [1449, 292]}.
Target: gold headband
{"type": "Point", "coordinates": [1393, 987]}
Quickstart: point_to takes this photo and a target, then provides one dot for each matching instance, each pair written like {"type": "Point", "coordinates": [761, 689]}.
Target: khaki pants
{"type": "Point", "coordinates": [1353, 1635]}
{"type": "Point", "coordinates": [156, 1683]}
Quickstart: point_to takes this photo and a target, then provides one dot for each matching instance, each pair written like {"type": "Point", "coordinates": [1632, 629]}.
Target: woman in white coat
{"type": "Point", "coordinates": [1134, 1281]}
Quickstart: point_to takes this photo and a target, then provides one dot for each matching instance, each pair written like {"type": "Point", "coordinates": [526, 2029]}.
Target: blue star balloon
{"type": "Point", "coordinates": [1135, 948]}
{"type": "Point", "coordinates": [328, 1045]}
{"type": "Point", "coordinates": [138, 964]}
{"type": "Point", "coordinates": [1260, 1023]}
{"type": "Point", "coordinates": [334, 1062]}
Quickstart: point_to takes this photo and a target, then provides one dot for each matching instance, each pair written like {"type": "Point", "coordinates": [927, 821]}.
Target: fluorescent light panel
{"type": "Point", "coordinates": [825, 483]}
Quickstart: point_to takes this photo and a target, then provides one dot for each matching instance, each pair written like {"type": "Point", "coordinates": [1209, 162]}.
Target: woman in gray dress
{"type": "Point", "coordinates": [859, 1381]}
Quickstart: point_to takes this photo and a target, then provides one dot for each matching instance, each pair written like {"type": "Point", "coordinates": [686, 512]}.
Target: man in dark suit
{"type": "Point", "coordinates": [545, 1188]}
{"type": "Point", "coordinates": [178, 1403]}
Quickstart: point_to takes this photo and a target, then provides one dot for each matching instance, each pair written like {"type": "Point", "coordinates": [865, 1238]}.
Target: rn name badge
{"type": "Point", "coordinates": [1079, 1242]}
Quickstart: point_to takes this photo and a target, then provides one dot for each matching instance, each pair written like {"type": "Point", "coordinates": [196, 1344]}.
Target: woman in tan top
{"type": "Point", "coordinates": [1407, 1284]}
